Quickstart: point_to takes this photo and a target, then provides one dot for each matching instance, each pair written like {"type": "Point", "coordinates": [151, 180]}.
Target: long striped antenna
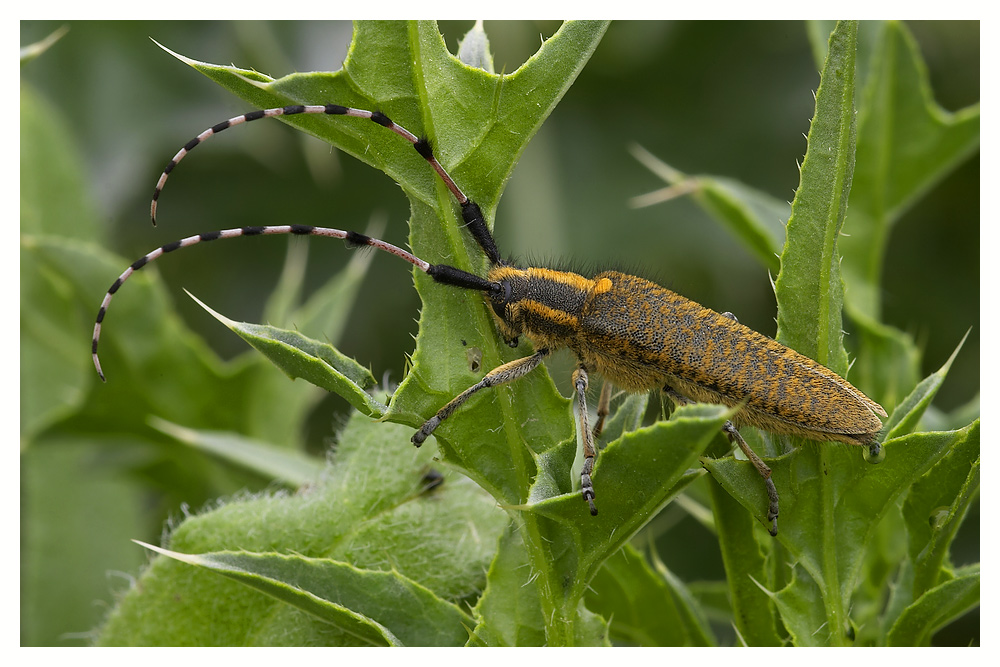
{"type": "Point", "coordinates": [471, 213]}
{"type": "Point", "coordinates": [442, 273]}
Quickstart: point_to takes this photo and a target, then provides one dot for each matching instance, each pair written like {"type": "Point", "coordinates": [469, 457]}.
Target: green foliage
{"type": "Point", "coordinates": [370, 549]}
{"type": "Point", "coordinates": [837, 501]}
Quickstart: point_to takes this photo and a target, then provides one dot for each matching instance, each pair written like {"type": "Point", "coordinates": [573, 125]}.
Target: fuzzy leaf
{"type": "Point", "coordinates": [509, 613]}
{"type": "Point", "coordinates": [372, 508]}
{"type": "Point", "coordinates": [380, 608]}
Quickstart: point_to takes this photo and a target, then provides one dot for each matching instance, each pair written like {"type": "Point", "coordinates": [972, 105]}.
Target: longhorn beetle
{"type": "Point", "coordinates": [637, 335]}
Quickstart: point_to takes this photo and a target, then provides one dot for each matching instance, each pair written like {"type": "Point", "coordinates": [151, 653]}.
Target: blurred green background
{"type": "Point", "coordinates": [725, 98]}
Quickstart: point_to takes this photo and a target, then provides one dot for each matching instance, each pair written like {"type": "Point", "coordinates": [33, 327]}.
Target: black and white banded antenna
{"type": "Point", "coordinates": [442, 273]}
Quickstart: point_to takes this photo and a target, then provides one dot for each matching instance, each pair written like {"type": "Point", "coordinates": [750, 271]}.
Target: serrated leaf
{"type": "Point", "coordinates": [318, 363]}
{"type": "Point", "coordinates": [934, 609]}
{"type": "Point", "coordinates": [809, 288]}
{"type": "Point", "coordinates": [646, 606]}
{"type": "Point", "coordinates": [634, 478]}
{"type": "Point", "coordinates": [935, 507]}
{"type": "Point", "coordinates": [566, 546]}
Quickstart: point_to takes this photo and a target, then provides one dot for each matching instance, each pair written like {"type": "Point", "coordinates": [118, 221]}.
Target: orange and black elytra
{"type": "Point", "coordinates": [635, 334]}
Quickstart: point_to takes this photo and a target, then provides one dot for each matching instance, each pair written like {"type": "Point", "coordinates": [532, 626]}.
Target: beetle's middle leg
{"type": "Point", "coordinates": [589, 452]}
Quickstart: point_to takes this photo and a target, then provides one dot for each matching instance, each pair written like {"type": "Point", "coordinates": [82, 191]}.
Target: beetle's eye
{"type": "Point", "coordinates": [502, 295]}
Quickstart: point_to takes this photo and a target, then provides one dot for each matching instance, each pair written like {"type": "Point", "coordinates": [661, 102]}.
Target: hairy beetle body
{"type": "Point", "coordinates": [640, 336]}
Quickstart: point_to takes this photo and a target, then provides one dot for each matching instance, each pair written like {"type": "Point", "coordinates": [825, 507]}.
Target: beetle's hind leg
{"type": "Point", "coordinates": [772, 493]}
{"type": "Point", "coordinates": [762, 469]}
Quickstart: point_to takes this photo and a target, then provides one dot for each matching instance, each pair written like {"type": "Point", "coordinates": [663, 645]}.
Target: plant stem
{"type": "Point", "coordinates": [832, 599]}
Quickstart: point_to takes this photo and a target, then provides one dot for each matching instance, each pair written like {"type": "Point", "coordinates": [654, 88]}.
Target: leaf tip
{"type": "Point", "coordinates": [219, 316]}
{"type": "Point", "coordinates": [183, 59]}
{"type": "Point", "coordinates": [184, 558]}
